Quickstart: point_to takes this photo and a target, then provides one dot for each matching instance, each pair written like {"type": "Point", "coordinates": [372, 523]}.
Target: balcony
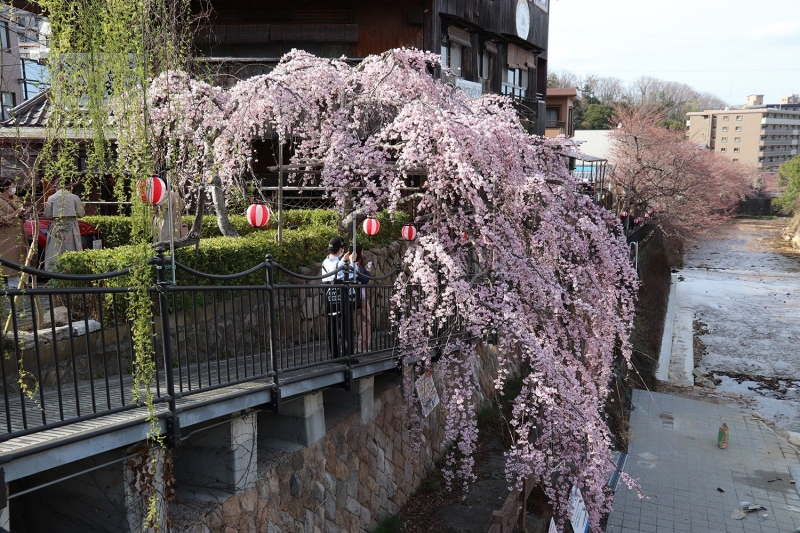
{"type": "Point", "coordinates": [775, 153]}
{"type": "Point", "coordinates": [781, 121]}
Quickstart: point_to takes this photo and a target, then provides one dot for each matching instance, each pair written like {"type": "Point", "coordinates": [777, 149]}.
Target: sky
{"type": "Point", "coordinates": [728, 48]}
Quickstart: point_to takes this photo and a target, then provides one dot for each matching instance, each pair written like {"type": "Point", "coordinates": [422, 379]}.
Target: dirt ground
{"type": "Point", "coordinates": [743, 285]}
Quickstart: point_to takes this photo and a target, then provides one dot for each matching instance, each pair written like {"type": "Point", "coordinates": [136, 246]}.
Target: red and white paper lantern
{"type": "Point", "coordinates": [409, 232]}
{"type": "Point", "coordinates": [152, 190]}
{"type": "Point", "coordinates": [371, 226]}
{"type": "Point", "coordinates": [623, 214]}
{"type": "Point", "coordinates": [258, 215]}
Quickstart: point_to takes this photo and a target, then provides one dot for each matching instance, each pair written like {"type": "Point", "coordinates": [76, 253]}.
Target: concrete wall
{"type": "Point", "coordinates": [361, 471]}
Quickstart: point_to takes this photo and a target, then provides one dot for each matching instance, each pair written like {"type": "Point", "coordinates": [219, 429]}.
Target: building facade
{"type": "Point", "coordinates": [21, 73]}
{"type": "Point", "coordinates": [757, 135]}
{"type": "Point", "coordinates": [491, 46]}
{"type": "Point", "coordinates": [560, 118]}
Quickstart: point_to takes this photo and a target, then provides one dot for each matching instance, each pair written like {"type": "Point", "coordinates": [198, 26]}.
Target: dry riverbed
{"type": "Point", "coordinates": [743, 285]}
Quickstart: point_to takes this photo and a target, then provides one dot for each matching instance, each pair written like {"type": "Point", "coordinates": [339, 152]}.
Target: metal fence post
{"type": "Point", "coordinates": [273, 351]}
{"type": "Point", "coordinates": [173, 422]}
{"type": "Point", "coordinates": [348, 327]}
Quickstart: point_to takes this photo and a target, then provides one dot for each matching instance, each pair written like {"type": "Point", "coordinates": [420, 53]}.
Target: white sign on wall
{"type": "Point", "coordinates": [473, 89]}
{"type": "Point", "coordinates": [552, 528]}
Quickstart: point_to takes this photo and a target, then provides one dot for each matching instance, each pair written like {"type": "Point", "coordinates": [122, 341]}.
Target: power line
{"type": "Point", "coordinates": [641, 71]}
{"type": "Point", "coordinates": [661, 37]}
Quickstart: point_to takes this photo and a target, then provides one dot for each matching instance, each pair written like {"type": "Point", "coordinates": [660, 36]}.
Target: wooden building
{"type": "Point", "coordinates": [495, 46]}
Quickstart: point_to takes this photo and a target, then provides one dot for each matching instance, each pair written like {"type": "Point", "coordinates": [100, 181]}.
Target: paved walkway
{"type": "Point", "coordinates": [674, 454]}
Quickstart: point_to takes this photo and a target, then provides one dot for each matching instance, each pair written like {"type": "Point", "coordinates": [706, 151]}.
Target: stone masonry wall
{"type": "Point", "coordinates": [350, 480]}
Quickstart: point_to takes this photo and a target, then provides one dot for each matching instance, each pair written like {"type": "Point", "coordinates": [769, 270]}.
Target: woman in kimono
{"type": "Point", "coordinates": [64, 208]}
{"type": "Point", "coordinates": [161, 219]}
{"type": "Point", "coordinates": [12, 235]}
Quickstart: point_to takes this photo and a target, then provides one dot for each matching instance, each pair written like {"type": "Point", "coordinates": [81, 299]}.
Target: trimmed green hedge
{"type": "Point", "coordinates": [303, 246]}
{"type": "Point", "coordinates": [116, 230]}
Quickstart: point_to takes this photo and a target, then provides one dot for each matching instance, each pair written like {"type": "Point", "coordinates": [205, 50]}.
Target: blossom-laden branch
{"type": "Point", "coordinates": [558, 287]}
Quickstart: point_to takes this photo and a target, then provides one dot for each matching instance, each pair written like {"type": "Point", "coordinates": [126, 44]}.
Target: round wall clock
{"type": "Point", "coordinates": [523, 18]}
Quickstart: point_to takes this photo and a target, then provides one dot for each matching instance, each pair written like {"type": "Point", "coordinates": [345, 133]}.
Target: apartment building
{"type": "Point", "coordinates": [761, 136]}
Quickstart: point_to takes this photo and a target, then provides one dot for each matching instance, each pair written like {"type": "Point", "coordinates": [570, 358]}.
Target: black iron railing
{"type": "Point", "coordinates": [68, 351]}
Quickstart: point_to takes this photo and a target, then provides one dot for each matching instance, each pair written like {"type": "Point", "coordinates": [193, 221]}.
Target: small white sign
{"type": "Point", "coordinates": [473, 89]}
{"type": "Point", "coordinates": [97, 244]}
{"type": "Point", "coordinates": [578, 516]}
{"type": "Point", "coordinates": [552, 528]}
{"type": "Point", "coordinates": [426, 390]}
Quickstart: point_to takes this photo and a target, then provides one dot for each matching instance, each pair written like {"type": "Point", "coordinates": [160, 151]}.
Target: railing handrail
{"type": "Point", "coordinates": [60, 275]}
{"type": "Point", "coordinates": [242, 274]}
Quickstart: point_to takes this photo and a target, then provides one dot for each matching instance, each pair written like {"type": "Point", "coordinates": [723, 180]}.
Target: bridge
{"type": "Point", "coordinates": [223, 348]}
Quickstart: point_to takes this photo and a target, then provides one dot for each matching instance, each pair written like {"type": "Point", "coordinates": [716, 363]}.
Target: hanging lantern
{"type": "Point", "coordinates": [623, 214]}
{"type": "Point", "coordinates": [258, 215]}
{"type": "Point", "coordinates": [371, 226]}
{"type": "Point", "coordinates": [647, 215]}
{"type": "Point", "coordinates": [409, 232]}
{"type": "Point", "coordinates": [152, 190]}
{"type": "Point", "coordinates": [465, 236]}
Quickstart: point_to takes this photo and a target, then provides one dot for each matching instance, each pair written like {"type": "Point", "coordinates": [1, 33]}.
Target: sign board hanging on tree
{"type": "Point", "coordinates": [578, 516]}
{"type": "Point", "coordinates": [426, 390]}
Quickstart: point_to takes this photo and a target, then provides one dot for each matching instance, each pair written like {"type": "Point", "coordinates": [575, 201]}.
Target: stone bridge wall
{"type": "Point", "coordinates": [363, 470]}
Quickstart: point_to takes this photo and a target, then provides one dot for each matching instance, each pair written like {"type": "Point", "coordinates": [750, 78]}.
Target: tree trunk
{"type": "Point", "coordinates": [218, 199]}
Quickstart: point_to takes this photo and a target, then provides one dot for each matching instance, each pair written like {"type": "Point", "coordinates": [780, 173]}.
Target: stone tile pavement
{"type": "Point", "coordinates": [673, 452]}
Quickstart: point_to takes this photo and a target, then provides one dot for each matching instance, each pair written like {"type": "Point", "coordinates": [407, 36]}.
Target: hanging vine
{"type": "Point", "coordinates": [102, 56]}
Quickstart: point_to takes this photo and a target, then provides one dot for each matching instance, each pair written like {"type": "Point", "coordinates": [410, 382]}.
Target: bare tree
{"type": "Point", "coordinates": [563, 79]}
{"type": "Point", "coordinates": [609, 90]}
{"type": "Point", "coordinates": [684, 189]}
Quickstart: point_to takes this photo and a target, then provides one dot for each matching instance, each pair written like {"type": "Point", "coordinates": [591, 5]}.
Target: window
{"type": "Point", "coordinates": [486, 60]}
{"type": "Point", "coordinates": [723, 140]}
{"type": "Point", "coordinates": [724, 128]}
{"type": "Point", "coordinates": [551, 119]}
{"type": "Point", "coordinates": [454, 43]}
{"type": "Point", "coordinates": [8, 100]}
{"type": "Point", "coordinates": [451, 57]}
{"type": "Point", "coordinates": [735, 150]}
{"type": "Point", "coordinates": [4, 39]}
{"type": "Point", "coordinates": [737, 139]}
{"type": "Point", "coordinates": [455, 59]}
{"type": "Point", "coordinates": [723, 149]}
{"type": "Point", "coordinates": [738, 117]}
{"type": "Point", "coordinates": [726, 118]}
{"type": "Point", "coordinates": [515, 72]}
{"type": "Point", "coordinates": [735, 160]}
{"type": "Point", "coordinates": [515, 82]}
{"type": "Point", "coordinates": [738, 128]}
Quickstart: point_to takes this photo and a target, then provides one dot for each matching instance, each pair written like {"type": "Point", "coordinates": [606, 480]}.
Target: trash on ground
{"type": "Point", "coordinates": [753, 508]}
{"type": "Point", "coordinates": [720, 489]}
{"type": "Point", "coordinates": [776, 479]}
{"type": "Point", "coordinates": [737, 514]}
{"type": "Point", "coordinates": [744, 504]}
{"type": "Point", "coordinates": [763, 518]}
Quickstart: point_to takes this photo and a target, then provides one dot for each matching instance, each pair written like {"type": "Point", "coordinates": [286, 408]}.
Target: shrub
{"type": "Point", "coordinates": [116, 230]}
{"type": "Point", "coordinates": [216, 255]}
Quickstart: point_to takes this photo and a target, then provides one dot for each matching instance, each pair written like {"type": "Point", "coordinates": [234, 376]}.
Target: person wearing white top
{"type": "Point", "coordinates": [334, 260]}
{"type": "Point", "coordinates": [339, 329]}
